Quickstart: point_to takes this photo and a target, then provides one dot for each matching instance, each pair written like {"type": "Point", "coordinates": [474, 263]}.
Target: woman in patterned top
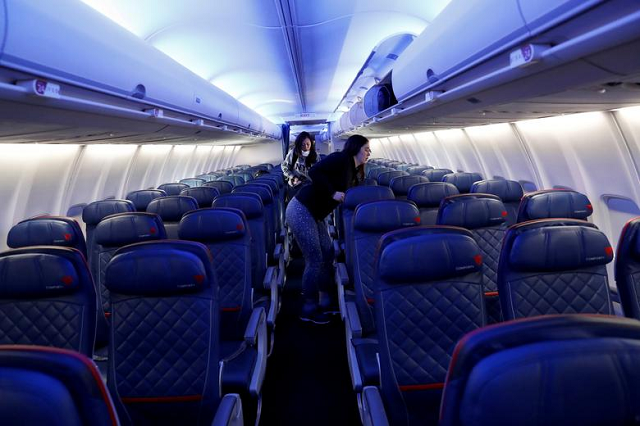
{"type": "Point", "coordinates": [298, 161]}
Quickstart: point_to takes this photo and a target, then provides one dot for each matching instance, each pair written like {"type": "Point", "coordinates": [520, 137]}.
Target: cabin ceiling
{"type": "Point", "coordinates": [289, 60]}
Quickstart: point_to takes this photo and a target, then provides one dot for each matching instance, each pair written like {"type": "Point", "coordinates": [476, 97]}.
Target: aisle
{"type": "Point", "coordinates": [307, 379]}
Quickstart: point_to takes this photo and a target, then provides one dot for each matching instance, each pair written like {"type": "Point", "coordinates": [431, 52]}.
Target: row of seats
{"type": "Point", "coordinates": [174, 309]}
{"type": "Point", "coordinates": [418, 290]}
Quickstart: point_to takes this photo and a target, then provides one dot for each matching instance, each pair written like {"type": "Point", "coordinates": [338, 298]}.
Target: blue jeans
{"type": "Point", "coordinates": [314, 241]}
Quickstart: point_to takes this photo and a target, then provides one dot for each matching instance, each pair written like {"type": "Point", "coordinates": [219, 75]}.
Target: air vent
{"type": "Point", "coordinates": [473, 100]}
{"type": "Point", "coordinates": [392, 56]}
{"type": "Point", "coordinates": [139, 92]}
{"type": "Point", "coordinates": [431, 76]}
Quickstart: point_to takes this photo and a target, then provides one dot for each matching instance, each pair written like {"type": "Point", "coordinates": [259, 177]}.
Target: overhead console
{"type": "Point", "coordinates": [68, 56]}
{"type": "Point", "coordinates": [478, 54]}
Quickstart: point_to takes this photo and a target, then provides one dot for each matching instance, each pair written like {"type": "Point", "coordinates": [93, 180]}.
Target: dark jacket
{"type": "Point", "coordinates": [335, 173]}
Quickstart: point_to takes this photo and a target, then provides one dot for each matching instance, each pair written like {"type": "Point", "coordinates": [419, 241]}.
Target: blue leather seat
{"type": "Point", "coordinates": [428, 196]}
{"type": "Point", "coordinates": [235, 179]}
{"type": "Point", "coordinates": [223, 186]}
{"type": "Point", "coordinates": [554, 203]}
{"type": "Point", "coordinates": [400, 185]}
{"type": "Point", "coordinates": [165, 351]}
{"type": "Point", "coordinates": [369, 168]}
{"type": "Point", "coordinates": [370, 222]}
{"type": "Point", "coordinates": [47, 231]}
{"type": "Point", "coordinates": [93, 213]}
{"type": "Point", "coordinates": [509, 191]}
{"type": "Point", "coordinates": [278, 193]}
{"type": "Point", "coordinates": [483, 215]}
{"type": "Point", "coordinates": [246, 176]}
{"type": "Point", "coordinates": [377, 172]}
{"type": "Point", "coordinates": [142, 198]}
{"type": "Point", "coordinates": [417, 170]}
{"type": "Point", "coordinates": [627, 268]}
{"type": "Point", "coordinates": [193, 182]}
{"type": "Point", "coordinates": [171, 209]}
{"type": "Point", "coordinates": [173, 188]}
{"type": "Point", "coordinates": [462, 181]}
{"type": "Point", "coordinates": [552, 370]}
{"type": "Point", "coordinates": [554, 266]}
{"type": "Point", "coordinates": [436, 175]}
{"type": "Point", "coordinates": [384, 179]}
{"type": "Point", "coordinates": [353, 197]}
{"type": "Point", "coordinates": [52, 386]}
{"type": "Point", "coordinates": [422, 309]}
{"type": "Point", "coordinates": [117, 231]}
{"type": "Point", "coordinates": [225, 233]}
{"type": "Point", "coordinates": [203, 195]}
{"type": "Point", "coordinates": [263, 277]}
{"type": "Point", "coordinates": [277, 204]}
{"type": "Point", "coordinates": [207, 177]}
{"type": "Point", "coordinates": [47, 299]}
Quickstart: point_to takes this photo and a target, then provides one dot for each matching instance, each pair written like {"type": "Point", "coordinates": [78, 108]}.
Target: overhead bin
{"type": "Point", "coordinates": [468, 32]}
{"type": "Point", "coordinates": [71, 45]}
{"type": "Point", "coordinates": [357, 114]}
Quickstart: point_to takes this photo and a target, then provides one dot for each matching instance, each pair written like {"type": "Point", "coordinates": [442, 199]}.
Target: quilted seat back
{"type": "Point", "coordinates": [171, 209]}
{"type": "Point", "coordinates": [164, 351]}
{"type": "Point", "coordinates": [554, 266]}
{"type": "Point", "coordinates": [47, 298]}
{"type": "Point", "coordinates": [93, 213]}
{"type": "Point", "coordinates": [225, 233]}
{"type": "Point", "coordinates": [551, 370]}
{"type": "Point", "coordinates": [428, 294]}
{"type": "Point", "coordinates": [628, 268]}
{"type": "Point", "coordinates": [265, 194]}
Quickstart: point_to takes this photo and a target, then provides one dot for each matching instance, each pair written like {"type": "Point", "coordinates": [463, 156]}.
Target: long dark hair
{"type": "Point", "coordinates": [297, 149]}
{"type": "Point", "coordinates": [352, 147]}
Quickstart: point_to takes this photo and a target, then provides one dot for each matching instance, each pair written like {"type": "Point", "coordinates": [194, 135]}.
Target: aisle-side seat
{"type": "Point", "coordinates": [427, 196]}
{"type": "Point", "coordinates": [436, 175]}
{"type": "Point", "coordinates": [484, 216]}
{"type": "Point", "coordinates": [554, 203]}
{"type": "Point", "coordinates": [143, 197]}
{"type": "Point", "coordinates": [47, 298]}
{"type": "Point", "coordinates": [384, 179]}
{"type": "Point", "coordinates": [171, 209]}
{"type": "Point", "coordinates": [627, 268]}
{"type": "Point", "coordinates": [554, 266]}
{"type": "Point", "coordinates": [225, 233]}
{"type": "Point", "coordinates": [552, 370]}
{"type": "Point", "coordinates": [223, 186]}
{"type": "Point", "coordinates": [164, 356]}
{"type": "Point", "coordinates": [400, 185]}
{"type": "Point", "coordinates": [422, 308]}
{"type": "Point", "coordinates": [509, 191]}
{"type": "Point", "coordinates": [93, 213]}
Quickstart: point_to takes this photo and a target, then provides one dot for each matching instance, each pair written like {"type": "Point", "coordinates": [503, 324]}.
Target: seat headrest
{"type": "Point", "coordinates": [249, 203]}
{"type": "Point", "coordinates": [157, 271]}
{"type": "Point", "coordinates": [94, 212]}
{"type": "Point", "coordinates": [193, 182]}
{"type": "Point", "coordinates": [223, 186]}
{"type": "Point", "coordinates": [386, 177]}
{"type": "Point", "coordinates": [30, 273]}
{"type": "Point", "coordinates": [556, 248]}
{"type": "Point", "coordinates": [436, 175]}
{"type": "Point", "coordinates": [203, 195]}
{"type": "Point", "coordinates": [462, 181]}
{"type": "Point", "coordinates": [417, 170]}
{"type": "Point", "coordinates": [554, 203]}
{"type": "Point", "coordinates": [471, 211]}
{"type": "Point", "coordinates": [385, 215]}
{"type": "Point", "coordinates": [142, 198]}
{"type": "Point", "coordinates": [400, 185]}
{"type": "Point", "coordinates": [127, 228]}
{"type": "Point", "coordinates": [427, 254]}
{"type": "Point", "coordinates": [236, 179]}
{"type": "Point", "coordinates": [262, 190]}
{"type": "Point", "coordinates": [213, 224]}
{"type": "Point", "coordinates": [46, 231]}
{"type": "Point", "coordinates": [362, 194]}
{"type": "Point", "coordinates": [173, 188]}
{"type": "Point", "coordinates": [509, 191]}
{"type": "Point", "coordinates": [430, 194]}
{"type": "Point", "coordinates": [173, 207]}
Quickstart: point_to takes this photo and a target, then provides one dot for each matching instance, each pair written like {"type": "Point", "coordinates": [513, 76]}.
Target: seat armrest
{"type": "Point", "coordinates": [278, 252]}
{"type": "Point", "coordinates": [270, 283]}
{"type": "Point", "coordinates": [256, 320]}
{"type": "Point", "coordinates": [373, 413]}
{"type": "Point", "coordinates": [229, 411]}
{"type": "Point", "coordinates": [336, 248]}
{"type": "Point", "coordinates": [342, 279]}
{"type": "Point", "coordinates": [332, 231]}
{"type": "Point", "coordinates": [352, 318]}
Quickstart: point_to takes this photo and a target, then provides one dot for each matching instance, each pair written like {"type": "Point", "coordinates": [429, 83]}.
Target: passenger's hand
{"type": "Point", "coordinates": [338, 196]}
{"type": "Point", "coordinates": [296, 181]}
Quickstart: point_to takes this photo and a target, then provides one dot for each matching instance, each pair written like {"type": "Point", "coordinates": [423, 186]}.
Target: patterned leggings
{"type": "Point", "coordinates": [314, 241]}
